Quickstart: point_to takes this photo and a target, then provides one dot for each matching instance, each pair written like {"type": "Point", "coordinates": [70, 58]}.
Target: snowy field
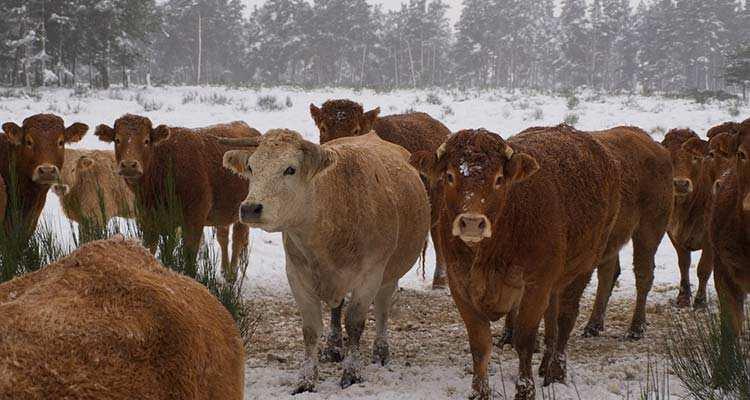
{"type": "Point", "coordinates": [431, 358]}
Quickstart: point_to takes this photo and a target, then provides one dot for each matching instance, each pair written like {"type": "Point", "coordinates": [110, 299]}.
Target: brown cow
{"type": "Point", "coordinates": [698, 165]}
{"type": "Point", "coordinates": [31, 157]}
{"type": "Point", "coordinates": [730, 235]}
{"type": "Point", "coordinates": [413, 131]}
{"type": "Point", "coordinates": [90, 190]}
{"type": "Point", "coordinates": [361, 244]}
{"type": "Point", "coordinates": [109, 322]}
{"type": "Point", "coordinates": [645, 209]}
{"type": "Point", "coordinates": [208, 194]}
{"type": "Point", "coordinates": [524, 222]}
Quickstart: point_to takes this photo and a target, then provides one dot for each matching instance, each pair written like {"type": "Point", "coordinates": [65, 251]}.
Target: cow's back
{"type": "Point", "coordinates": [413, 131]}
{"type": "Point", "coordinates": [109, 322]}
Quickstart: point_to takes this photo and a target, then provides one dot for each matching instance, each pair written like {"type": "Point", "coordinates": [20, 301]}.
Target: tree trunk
{"type": "Point", "coordinates": [200, 49]}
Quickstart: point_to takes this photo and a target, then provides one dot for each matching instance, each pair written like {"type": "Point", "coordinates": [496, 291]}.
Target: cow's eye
{"type": "Point", "coordinates": [117, 140]}
{"type": "Point", "coordinates": [29, 143]}
{"type": "Point", "coordinates": [290, 171]}
{"type": "Point", "coordinates": [60, 143]}
{"type": "Point", "coordinates": [742, 156]}
{"type": "Point", "coordinates": [450, 178]}
{"type": "Point", "coordinates": [147, 141]}
{"type": "Point", "coordinates": [499, 181]}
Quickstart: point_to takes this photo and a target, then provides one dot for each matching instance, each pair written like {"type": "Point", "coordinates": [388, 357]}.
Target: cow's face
{"type": "Point", "coordinates": [134, 138]}
{"type": "Point", "coordinates": [743, 167]}
{"type": "Point", "coordinates": [342, 118]}
{"type": "Point", "coordinates": [722, 149]}
{"type": "Point", "coordinates": [279, 170]}
{"type": "Point", "coordinates": [688, 152]}
{"type": "Point", "coordinates": [472, 172]}
{"type": "Point", "coordinates": [39, 146]}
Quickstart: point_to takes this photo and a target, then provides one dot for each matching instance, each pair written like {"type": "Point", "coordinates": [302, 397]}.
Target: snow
{"type": "Point", "coordinates": [499, 111]}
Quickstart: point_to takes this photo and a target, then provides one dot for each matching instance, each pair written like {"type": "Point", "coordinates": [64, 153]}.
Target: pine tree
{"type": "Point", "coordinates": [575, 58]}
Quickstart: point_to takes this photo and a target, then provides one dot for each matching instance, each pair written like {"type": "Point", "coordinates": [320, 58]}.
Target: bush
{"type": "Point", "coordinates": [734, 108]}
{"type": "Point", "coordinates": [571, 119]}
{"type": "Point", "coordinates": [148, 104]}
{"type": "Point", "coordinates": [710, 361]}
{"type": "Point", "coordinates": [571, 100]}
{"type": "Point", "coordinates": [268, 103]}
{"type": "Point", "coordinates": [433, 99]}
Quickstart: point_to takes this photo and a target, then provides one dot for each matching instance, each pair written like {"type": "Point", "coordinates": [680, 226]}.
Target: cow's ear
{"type": "Point", "coordinates": [14, 132]}
{"type": "Point", "coordinates": [696, 146]}
{"type": "Point", "coordinates": [160, 133]}
{"type": "Point", "coordinates": [85, 162]}
{"type": "Point", "coordinates": [520, 167]}
{"type": "Point", "coordinates": [424, 162]}
{"type": "Point", "coordinates": [75, 132]}
{"type": "Point", "coordinates": [236, 161]}
{"type": "Point", "coordinates": [368, 120]}
{"type": "Point", "coordinates": [726, 143]}
{"type": "Point", "coordinates": [316, 113]}
{"type": "Point", "coordinates": [105, 133]}
{"type": "Point", "coordinates": [316, 158]}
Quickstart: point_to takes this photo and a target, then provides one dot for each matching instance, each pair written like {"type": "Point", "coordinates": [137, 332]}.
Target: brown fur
{"type": "Point", "coordinates": [645, 210]}
{"type": "Point", "coordinates": [413, 131]}
{"type": "Point", "coordinates": [548, 230]}
{"type": "Point", "coordinates": [38, 142]}
{"type": "Point", "coordinates": [703, 164]}
{"type": "Point", "coordinates": [109, 322]}
{"type": "Point", "coordinates": [362, 245]}
{"type": "Point", "coordinates": [91, 189]}
{"type": "Point", "coordinates": [730, 235]}
{"type": "Point", "coordinates": [209, 195]}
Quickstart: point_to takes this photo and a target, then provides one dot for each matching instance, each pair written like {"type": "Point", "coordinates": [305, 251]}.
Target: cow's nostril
{"type": "Point", "coordinates": [482, 225]}
{"type": "Point", "coordinates": [258, 209]}
{"type": "Point", "coordinates": [462, 223]}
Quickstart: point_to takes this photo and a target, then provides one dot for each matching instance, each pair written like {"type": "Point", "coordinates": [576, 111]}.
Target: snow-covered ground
{"type": "Point", "coordinates": [502, 112]}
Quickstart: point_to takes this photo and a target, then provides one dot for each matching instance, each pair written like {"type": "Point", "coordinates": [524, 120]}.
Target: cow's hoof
{"type": "Point", "coordinates": [700, 302]}
{"type": "Point", "coordinates": [636, 333]}
{"type": "Point", "coordinates": [525, 390]}
{"type": "Point", "coordinates": [304, 387]}
{"type": "Point", "coordinates": [332, 354]}
{"type": "Point", "coordinates": [683, 300]}
{"type": "Point", "coordinates": [380, 352]}
{"type": "Point", "coordinates": [544, 365]}
{"type": "Point", "coordinates": [350, 377]}
{"type": "Point", "coordinates": [480, 389]}
{"type": "Point", "coordinates": [556, 372]}
{"type": "Point", "coordinates": [593, 330]}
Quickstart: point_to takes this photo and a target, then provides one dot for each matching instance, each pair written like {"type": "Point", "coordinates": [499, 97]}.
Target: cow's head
{"type": "Point", "coordinates": [39, 145]}
{"type": "Point", "coordinates": [688, 152]}
{"type": "Point", "coordinates": [342, 118]}
{"type": "Point", "coordinates": [134, 138]}
{"type": "Point", "coordinates": [280, 167]}
{"type": "Point", "coordinates": [472, 172]}
{"type": "Point", "coordinates": [722, 149]}
{"type": "Point", "coordinates": [743, 166]}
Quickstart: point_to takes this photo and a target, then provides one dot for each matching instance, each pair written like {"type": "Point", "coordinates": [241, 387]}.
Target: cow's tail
{"type": "Point", "coordinates": [423, 258]}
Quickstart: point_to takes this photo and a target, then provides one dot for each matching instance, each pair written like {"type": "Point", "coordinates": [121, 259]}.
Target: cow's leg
{"type": "Point", "coordinates": [193, 234]}
{"type": "Point", "coordinates": [683, 260]}
{"type": "Point", "coordinates": [383, 300]}
{"type": "Point", "coordinates": [439, 278]}
{"type": "Point", "coordinates": [550, 332]}
{"type": "Point", "coordinates": [533, 307]}
{"type": "Point", "coordinates": [507, 336]}
{"type": "Point", "coordinates": [607, 274]}
{"type": "Point", "coordinates": [705, 267]}
{"type": "Point", "coordinates": [645, 243]}
{"type": "Point", "coordinates": [312, 324]}
{"type": "Point", "coordinates": [334, 350]}
{"type": "Point", "coordinates": [480, 343]}
{"type": "Point", "coordinates": [570, 299]}
{"type": "Point", "coordinates": [240, 241]}
{"type": "Point", "coordinates": [356, 315]}
{"type": "Point", "coordinates": [222, 236]}
{"type": "Point", "coordinates": [731, 300]}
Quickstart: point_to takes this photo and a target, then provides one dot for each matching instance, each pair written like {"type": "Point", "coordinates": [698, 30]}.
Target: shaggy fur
{"type": "Point", "coordinates": [701, 164]}
{"type": "Point", "coordinates": [209, 195]}
{"type": "Point", "coordinates": [362, 244]}
{"type": "Point", "coordinates": [730, 235]}
{"type": "Point", "coordinates": [550, 198]}
{"type": "Point", "coordinates": [109, 322]}
{"type": "Point", "coordinates": [91, 189]}
{"type": "Point", "coordinates": [413, 131]}
{"type": "Point", "coordinates": [645, 210]}
{"type": "Point", "coordinates": [38, 143]}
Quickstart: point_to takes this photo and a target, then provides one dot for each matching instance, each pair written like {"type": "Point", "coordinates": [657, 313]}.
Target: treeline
{"type": "Point", "coordinates": [662, 45]}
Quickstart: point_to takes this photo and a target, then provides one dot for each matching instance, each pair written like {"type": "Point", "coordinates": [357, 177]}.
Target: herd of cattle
{"type": "Point", "coordinates": [518, 226]}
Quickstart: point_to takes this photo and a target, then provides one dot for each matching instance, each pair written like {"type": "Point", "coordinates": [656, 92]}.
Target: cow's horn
{"type": "Point", "coordinates": [508, 152]}
{"type": "Point", "coordinates": [441, 151]}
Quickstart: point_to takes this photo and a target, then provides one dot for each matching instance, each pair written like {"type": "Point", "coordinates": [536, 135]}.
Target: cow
{"type": "Point", "coordinates": [523, 223]}
{"type": "Point", "coordinates": [189, 161]}
{"type": "Point", "coordinates": [31, 157]}
{"type": "Point", "coordinates": [414, 131]}
{"type": "Point", "coordinates": [645, 211]}
{"type": "Point", "coordinates": [110, 322]}
{"type": "Point", "coordinates": [90, 190]}
{"type": "Point", "coordinates": [730, 235]}
{"type": "Point", "coordinates": [359, 244]}
{"type": "Point", "coordinates": [698, 165]}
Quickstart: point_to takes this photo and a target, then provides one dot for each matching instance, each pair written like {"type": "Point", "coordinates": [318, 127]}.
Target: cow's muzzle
{"type": "Point", "coordinates": [472, 227]}
{"type": "Point", "coordinates": [60, 189]}
{"type": "Point", "coordinates": [251, 213]}
{"type": "Point", "coordinates": [46, 174]}
{"type": "Point", "coordinates": [683, 187]}
{"type": "Point", "coordinates": [130, 169]}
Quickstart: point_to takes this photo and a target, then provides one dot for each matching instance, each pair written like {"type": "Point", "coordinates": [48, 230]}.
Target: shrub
{"type": "Point", "coordinates": [571, 100]}
{"type": "Point", "coordinates": [433, 99]}
{"type": "Point", "coordinates": [288, 103]}
{"type": "Point", "coordinates": [571, 119]}
{"type": "Point", "coordinates": [268, 103]}
{"type": "Point", "coordinates": [148, 104]}
{"type": "Point", "coordinates": [734, 108]}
